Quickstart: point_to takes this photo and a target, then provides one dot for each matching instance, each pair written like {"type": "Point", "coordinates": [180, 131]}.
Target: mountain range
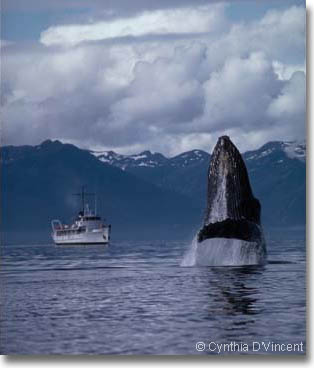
{"type": "Point", "coordinates": [276, 170]}
{"type": "Point", "coordinates": [144, 196]}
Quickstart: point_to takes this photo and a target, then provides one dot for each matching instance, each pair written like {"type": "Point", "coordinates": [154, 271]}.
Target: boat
{"type": "Point", "coordinates": [87, 229]}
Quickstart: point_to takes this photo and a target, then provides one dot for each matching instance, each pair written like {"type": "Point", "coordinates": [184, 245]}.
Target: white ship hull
{"type": "Point", "coordinates": [88, 227]}
{"type": "Point", "coordinates": [101, 236]}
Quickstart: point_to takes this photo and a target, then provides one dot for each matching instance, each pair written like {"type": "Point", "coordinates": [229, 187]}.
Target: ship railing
{"type": "Point", "coordinates": [56, 225]}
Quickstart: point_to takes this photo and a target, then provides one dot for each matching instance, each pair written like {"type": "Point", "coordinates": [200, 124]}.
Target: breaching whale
{"type": "Point", "coordinates": [232, 233]}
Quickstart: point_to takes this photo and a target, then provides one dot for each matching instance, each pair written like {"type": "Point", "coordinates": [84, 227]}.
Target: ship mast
{"type": "Point", "coordinates": [83, 194]}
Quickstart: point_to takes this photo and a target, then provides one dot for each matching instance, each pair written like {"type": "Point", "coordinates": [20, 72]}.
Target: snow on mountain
{"type": "Point", "coordinates": [189, 158]}
{"type": "Point", "coordinates": [295, 149]}
{"type": "Point", "coordinates": [290, 149]}
{"type": "Point", "coordinates": [108, 156]}
{"type": "Point", "coordinates": [285, 150]}
{"type": "Point", "coordinates": [143, 159]}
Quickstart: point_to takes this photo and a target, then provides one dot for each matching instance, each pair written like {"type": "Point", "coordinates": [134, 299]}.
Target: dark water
{"type": "Point", "coordinates": [134, 298]}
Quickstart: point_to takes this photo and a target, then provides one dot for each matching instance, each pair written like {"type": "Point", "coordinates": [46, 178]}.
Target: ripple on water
{"type": "Point", "coordinates": [135, 298]}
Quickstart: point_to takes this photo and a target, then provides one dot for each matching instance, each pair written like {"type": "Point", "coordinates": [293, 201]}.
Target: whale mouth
{"type": "Point", "coordinates": [231, 229]}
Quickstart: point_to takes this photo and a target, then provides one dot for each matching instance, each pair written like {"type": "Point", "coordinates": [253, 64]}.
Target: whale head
{"type": "Point", "coordinates": [232, 210]}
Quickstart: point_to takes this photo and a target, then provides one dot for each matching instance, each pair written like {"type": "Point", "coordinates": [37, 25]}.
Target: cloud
{"type": "Point", "coordinates": [161, 93]}
{"type": "Point", "coordinates": [164, 91]}
{"type": "Point", "coordinates": [284, 72]}
{"type": "Point", "coordinates": [158, 22]}
{"type": "Point", "coordinates": [239, 93]}
{"type": "Point", "coordinates": [279, 34]}
{"type": "Point", "coordinates": [290, 105]}
{"type": "Point", "coordinates": [112, 6]}
{"type": "Point", "coordinates": [5, 43]}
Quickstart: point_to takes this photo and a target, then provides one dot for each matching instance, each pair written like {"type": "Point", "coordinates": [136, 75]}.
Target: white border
{"type": "Point", "coordinates": [179, 361]}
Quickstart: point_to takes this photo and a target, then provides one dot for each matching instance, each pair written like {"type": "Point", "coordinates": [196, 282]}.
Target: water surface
{"type": "Point", "coordinates": [135, 298]}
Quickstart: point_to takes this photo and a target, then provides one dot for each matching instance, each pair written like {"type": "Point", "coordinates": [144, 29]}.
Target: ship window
{"type": "Point", "coordinates": [92, 218]}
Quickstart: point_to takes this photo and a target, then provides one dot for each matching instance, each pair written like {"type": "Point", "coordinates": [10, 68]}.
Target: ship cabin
{"type": "Point", "coordinates": [88, 220]}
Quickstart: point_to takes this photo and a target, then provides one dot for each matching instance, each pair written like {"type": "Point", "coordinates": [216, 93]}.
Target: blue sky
{"type": "Point", "coordinates": [167, 76]}
{"type": "Point", "coordinates": [26, 25]}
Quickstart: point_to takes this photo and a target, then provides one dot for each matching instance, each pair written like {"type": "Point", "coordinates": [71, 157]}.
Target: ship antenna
{"type": "Point", "coordinates": [83, 195]}
{"type": "Point", "coordinates": [83, 199]}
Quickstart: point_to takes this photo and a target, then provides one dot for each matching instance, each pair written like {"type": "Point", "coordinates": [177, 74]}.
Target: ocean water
{"type": "Point", "coordinates": [136, 298]}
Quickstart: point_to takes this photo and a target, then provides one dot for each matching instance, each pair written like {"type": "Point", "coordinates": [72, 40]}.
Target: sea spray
{"type": "Point", "coordinates": [224, 252]}
{"type": "Point", "coordinates": [189, 258]}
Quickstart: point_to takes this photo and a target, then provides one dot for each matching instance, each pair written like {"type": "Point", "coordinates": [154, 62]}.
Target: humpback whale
{"type": "Point", "coordinates": [232, 233]}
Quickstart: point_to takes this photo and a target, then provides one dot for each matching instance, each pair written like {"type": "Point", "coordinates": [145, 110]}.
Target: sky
{"type": "Point", "coordinates": [167, 76]}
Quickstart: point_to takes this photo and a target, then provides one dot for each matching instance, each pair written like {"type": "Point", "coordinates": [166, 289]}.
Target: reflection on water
{"type": "Point", "coordinates": [235, 294]}
{"type": "Point", "coordinates": [134, 298]}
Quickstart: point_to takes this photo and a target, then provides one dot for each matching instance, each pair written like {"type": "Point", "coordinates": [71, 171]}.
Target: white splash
{"type": "Point", "coordinates": [190, 256]}
{"type": "Point", "coordinates": [224, 252]}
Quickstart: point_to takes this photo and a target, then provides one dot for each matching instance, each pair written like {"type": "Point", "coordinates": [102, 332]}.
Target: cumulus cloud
{"type": "Point", "coordinates": [165, 94]}
{"type": "Point", "coordinates": [240, 92]}
{"type": "Point", "coordinates": [289, 105]}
